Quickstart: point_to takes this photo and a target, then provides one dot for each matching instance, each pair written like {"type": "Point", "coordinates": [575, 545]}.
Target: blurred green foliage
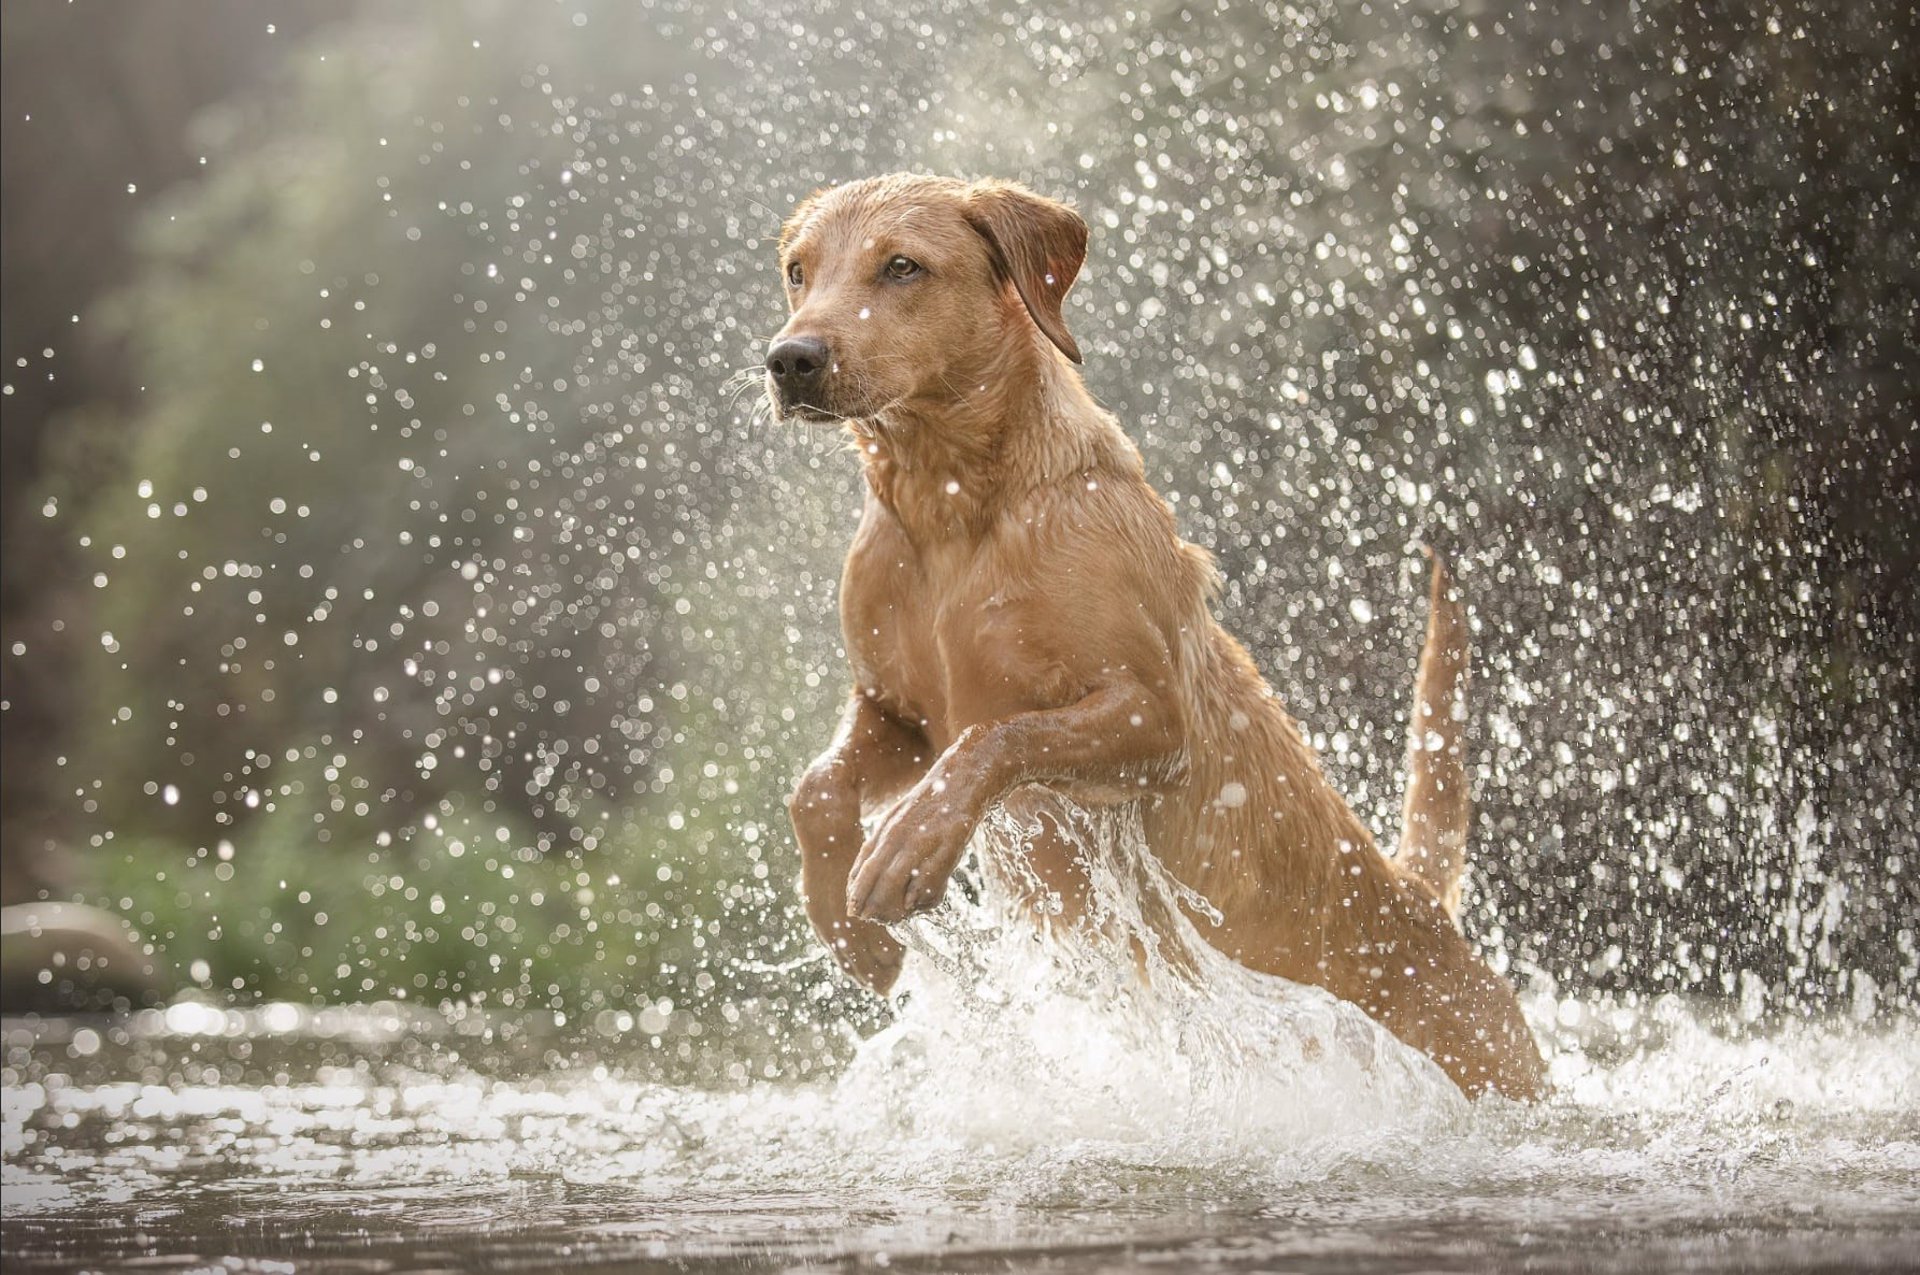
{"type": "Point", "coordinates": [463, 906]}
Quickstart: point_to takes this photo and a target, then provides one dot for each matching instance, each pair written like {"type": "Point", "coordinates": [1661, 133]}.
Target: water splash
{"type": "Point", "coordinates": [1128, 1033]}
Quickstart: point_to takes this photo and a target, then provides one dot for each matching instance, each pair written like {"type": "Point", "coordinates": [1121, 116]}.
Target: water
{"type": "Point", "coordinates": [175, 1140]}
{"type": "Point", "coordinates": [1075, 1106]}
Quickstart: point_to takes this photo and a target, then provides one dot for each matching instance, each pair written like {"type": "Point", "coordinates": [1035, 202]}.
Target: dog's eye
{"type": "Point", "coordinates": [795, 275]}
{"type": "Point", "coordinates": [902, 267]}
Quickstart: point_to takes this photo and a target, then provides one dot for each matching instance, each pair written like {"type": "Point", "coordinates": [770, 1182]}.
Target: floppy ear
{"type": "Point", "coordinates": [1037, 243]}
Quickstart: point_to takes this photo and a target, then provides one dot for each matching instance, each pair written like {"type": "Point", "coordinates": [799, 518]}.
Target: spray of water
{"type": "Point", "coordinates": [1128, 1031]}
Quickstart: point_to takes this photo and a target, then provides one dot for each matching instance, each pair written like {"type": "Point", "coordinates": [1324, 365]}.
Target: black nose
{"type": "Point", "coordinates": [798, 364]}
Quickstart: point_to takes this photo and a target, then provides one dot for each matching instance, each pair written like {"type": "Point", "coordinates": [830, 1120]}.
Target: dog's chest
{"type": "Point", "coordinates": [892, 604]}
{"type": "Point", "coordinates": [928, 635]}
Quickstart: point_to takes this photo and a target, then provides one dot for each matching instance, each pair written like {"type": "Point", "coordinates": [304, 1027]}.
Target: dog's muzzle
{"type": "Point", "coordinates": [797, 367]}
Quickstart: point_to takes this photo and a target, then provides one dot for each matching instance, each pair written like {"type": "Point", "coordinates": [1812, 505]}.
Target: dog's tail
{"type": "Point", "coordinates": [1433, 831]}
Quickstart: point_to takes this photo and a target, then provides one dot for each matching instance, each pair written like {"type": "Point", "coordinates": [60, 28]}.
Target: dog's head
{"type": "Point", "coordinates": [916, 290]}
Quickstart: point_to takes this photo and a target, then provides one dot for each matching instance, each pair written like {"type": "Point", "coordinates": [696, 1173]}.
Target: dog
{"type": "Point", "coordinates": [1025, 626]}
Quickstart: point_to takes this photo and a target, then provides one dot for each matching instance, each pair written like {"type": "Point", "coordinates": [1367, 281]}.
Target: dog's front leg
{"type": "Point", "coordinates": [1122, 735]}
{"type": "Point", "coordinates": [872, 760]}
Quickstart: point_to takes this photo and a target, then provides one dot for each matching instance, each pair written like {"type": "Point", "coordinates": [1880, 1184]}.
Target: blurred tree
{"type": "Point", "coordinates": [97, 101]}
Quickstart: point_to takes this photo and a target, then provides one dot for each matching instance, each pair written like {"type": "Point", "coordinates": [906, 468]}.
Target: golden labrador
{"type": "Point", "coordinates": [1025, 624]}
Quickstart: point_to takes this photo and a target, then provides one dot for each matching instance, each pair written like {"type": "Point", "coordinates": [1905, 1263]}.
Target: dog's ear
{"type": "Point", "coordinates": [1037, 243]}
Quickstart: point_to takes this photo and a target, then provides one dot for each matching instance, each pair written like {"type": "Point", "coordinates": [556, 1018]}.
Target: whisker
{"type": "Point", "coordinates": [733, 399]}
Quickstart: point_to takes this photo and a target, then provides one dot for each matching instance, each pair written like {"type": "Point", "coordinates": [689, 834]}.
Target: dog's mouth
{"type": "Point", "coordinates": [815, 409]}
{"type": "Point", "coordinates": [804, 411]}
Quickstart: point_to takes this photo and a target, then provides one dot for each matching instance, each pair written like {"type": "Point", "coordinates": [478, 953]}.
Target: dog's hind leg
{"type": "Point", "coordinates": [1433, 829]}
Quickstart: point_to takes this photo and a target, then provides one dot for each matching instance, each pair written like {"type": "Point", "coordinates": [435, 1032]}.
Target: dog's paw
{"type": "Point", "coordinates": [906, 865]}
{"type": "Point", "coordinates": [867, 952]}
{"type": "Point", "coordinates": [864, 949]}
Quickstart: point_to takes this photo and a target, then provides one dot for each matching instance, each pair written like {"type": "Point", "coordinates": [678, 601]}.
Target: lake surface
{"type": "Point", "coordinates": [382, 1138]}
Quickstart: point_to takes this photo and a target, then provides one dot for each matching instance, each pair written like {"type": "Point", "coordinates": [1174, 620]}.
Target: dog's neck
{"type": "Point", "coordinates": [945, 469]}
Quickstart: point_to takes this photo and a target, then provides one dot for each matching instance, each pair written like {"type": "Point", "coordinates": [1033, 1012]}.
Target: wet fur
{"type": "Point", "coordinates": [1024, 623]}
